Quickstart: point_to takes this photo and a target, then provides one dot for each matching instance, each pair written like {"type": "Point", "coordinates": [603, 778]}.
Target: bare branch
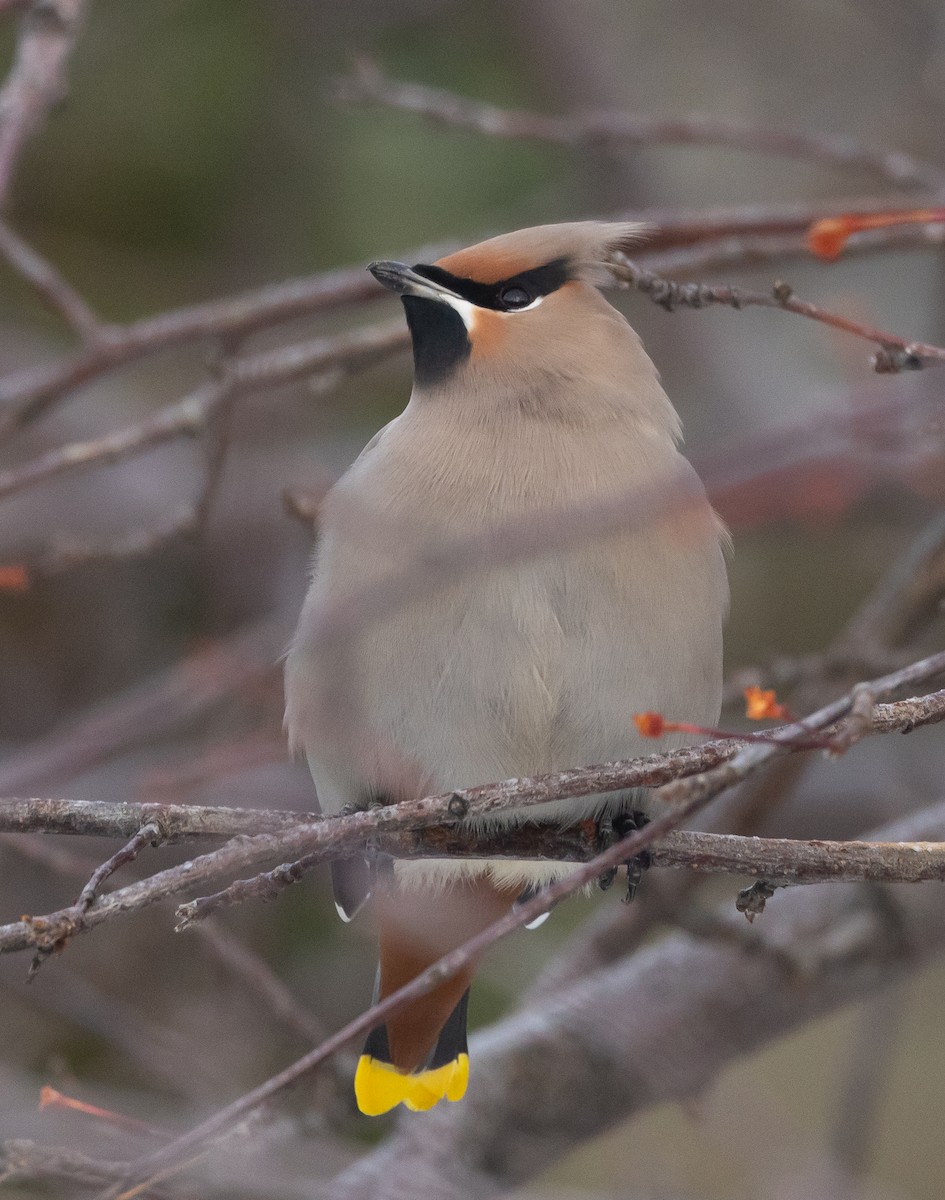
{"type": "Point", "coordinates": [685, 793]}
{"type": "Point", "coordinates": [189, 416]}
{"type": "Point", "coordinates": [161, 705]}
{"type": "Point", "coordinates": [742, 234]}
{"type": "Point", "coordinates": [50, 284]}
{"type": "Point", "coordinates": [149, 834]}
{"type": "Point", "coordinates": [37, 79]}
{"type": "Point", "coordinates": [779, 861]}
{"type": "Point", "coordinates": [26, 395]}
{"type": "Point", "coordinates": [895, 353]}
{"type": "Point", "coordinates": [782, 860]}
{"type": "Point", "coordinates": [367, 83]}
{"type": "Point", "coordinates": [99, 818]}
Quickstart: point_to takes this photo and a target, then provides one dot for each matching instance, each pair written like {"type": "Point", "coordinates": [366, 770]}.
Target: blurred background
{"type": "Point", "coordinates": [201, 152]}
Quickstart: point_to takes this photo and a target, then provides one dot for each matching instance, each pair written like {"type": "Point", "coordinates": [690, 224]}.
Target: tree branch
{"type": "Point", "coordinates": [685, 796]}
{"type": "Point", "coordinates": [37, 79]}
{"type": "Point", "coordinates": [50, 284]}
{"type": "Point", "coordinates": [745, 234]}
{"type": "Point", "coordinates": [895, 353]}
{"type": "Point", "coordinates": [368, 83]}
{"type": "Point", "coordinates": [334, 836]}
{"type": "Point", "coordinates": [682, 798]}
{"type": "Point", "coordinates": [189, 416]}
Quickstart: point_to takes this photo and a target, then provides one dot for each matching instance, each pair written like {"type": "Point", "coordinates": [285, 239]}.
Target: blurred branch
{"type": "Point", "coordinates": [50, 284]}
{"type": "Point", "coordinates": [26, 395]}
{"type": "Point", "coordinates": [37, 79]}
{"type": "Point", "coordinates": [906, 597]}
{"type": "Point", "coordinates": [895, 353]}
{"type": "Point", "coordinates": [189, 416]}
{"type": "Point", "coordinates": [911, 591]}
{"type": "Point", "coordinates": [368, 83]}
{"type": "Point", "coordinates": [873, 1050]}
{"type": "Point", "coordinates": [835, 440]}
{"type": "Point", "coordinates": [172, 699]}
{"type": "Point", "coordinates": [21, 1159]}
{"type": "Point", "coordinates": [653, 1028]}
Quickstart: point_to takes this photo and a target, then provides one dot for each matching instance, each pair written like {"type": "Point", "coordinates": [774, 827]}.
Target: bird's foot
{"type": "Point", "coordinates": [612, 829]}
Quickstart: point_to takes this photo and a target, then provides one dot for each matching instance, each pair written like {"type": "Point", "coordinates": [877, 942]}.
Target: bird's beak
{"type": "Point", "coordinates": [405, 281]}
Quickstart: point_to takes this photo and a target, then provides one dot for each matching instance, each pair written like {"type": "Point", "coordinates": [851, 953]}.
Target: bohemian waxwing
{"type": "Point", "coordinates": [531, 395]}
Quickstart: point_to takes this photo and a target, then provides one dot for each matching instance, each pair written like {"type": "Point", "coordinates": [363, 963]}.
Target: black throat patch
{"type": "Point", "coordinates": [439, 336]}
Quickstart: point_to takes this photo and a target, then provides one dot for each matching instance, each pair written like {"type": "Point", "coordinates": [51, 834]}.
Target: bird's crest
{"type": "Point", "coordinates": [584, 248]}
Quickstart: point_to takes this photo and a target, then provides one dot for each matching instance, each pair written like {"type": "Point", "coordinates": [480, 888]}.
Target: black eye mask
{"type": "Point", "coordinates": [507, 295]}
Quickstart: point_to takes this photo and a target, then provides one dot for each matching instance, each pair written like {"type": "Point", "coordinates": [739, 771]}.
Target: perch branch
{"type": "Point", "coordinates": [333, 836]}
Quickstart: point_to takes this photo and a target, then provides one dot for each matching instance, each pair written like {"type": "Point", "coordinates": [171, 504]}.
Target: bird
{"type": "Point", "coordinates": [532, 396]}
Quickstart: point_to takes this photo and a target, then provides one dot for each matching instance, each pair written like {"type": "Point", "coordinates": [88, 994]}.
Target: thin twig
{"type": "Point", "coordinates": [367, 83]}
{"type": "Point", "coordinates": [50, 284]}
{"type": "Point", "coordinates": [37, 79]}
{"type": "Point", "coordinates": [149, 834]}
{"type": "Point", "coordinates": [895, 353]}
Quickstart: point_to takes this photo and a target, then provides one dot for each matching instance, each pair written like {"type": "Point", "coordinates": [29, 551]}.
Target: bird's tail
{"type": "Point", "coordinates": [420, 1056]}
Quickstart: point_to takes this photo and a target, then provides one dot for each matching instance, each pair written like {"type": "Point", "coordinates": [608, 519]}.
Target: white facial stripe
{"type": "Point", "coordinates": [468, 311]}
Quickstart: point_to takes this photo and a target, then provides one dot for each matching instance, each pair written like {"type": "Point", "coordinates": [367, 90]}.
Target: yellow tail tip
{"type": "Point", "coordinates": [379, 1086]}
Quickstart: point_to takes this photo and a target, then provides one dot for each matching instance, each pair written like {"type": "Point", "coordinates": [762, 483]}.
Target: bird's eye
{"type": "Point", "coordinates": [514, 297]}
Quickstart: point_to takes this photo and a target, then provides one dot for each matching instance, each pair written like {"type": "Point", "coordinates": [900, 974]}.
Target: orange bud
{"type": "Point", "coordinates": [14, 578]}
{"type": "Point", "coordinates": [762, 705]}
{"type": "Point", "coordinates": [650, 724]}
{"type": "Point", "coordinates": [827, 237]}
